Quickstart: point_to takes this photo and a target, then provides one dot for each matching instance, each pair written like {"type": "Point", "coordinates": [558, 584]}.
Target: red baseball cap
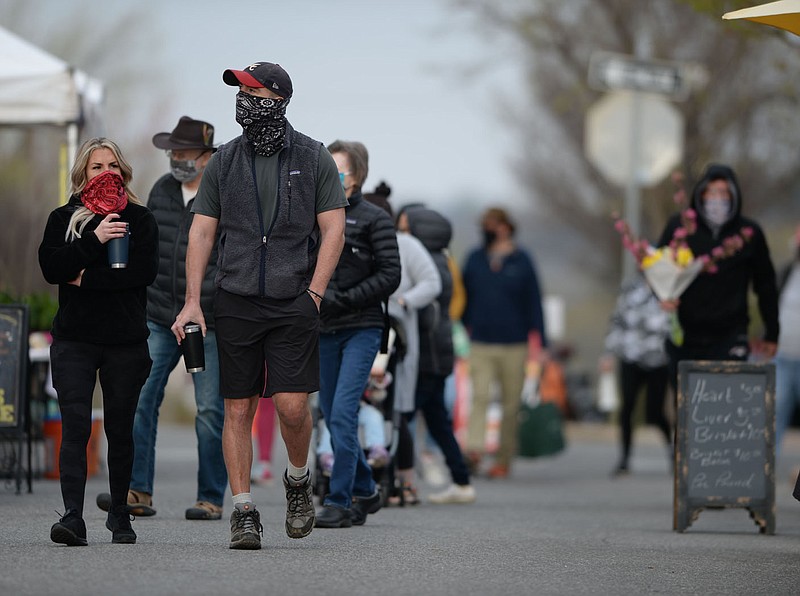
{"type": "Point", "coordinates": [261, 74]}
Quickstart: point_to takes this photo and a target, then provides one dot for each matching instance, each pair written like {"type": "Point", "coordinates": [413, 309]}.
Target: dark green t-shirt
{"type": "Point", "coordinates": [330, 194]}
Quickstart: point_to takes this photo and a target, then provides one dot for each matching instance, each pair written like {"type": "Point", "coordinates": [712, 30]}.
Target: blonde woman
{"type": "Point", "coordinates": [100, 326]}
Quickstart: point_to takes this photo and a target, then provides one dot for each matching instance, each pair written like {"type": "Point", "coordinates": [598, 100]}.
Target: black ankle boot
{"type": "Point", "coordinates": [119, 522]}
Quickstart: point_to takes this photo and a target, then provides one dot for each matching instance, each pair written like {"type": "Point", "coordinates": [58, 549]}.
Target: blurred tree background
{"type": "Point", "coordinates": [30, 186]}
{"type": "Point", "coordinates": [740, 110]}
{"type": "Point", "coordinates": [745, 87]}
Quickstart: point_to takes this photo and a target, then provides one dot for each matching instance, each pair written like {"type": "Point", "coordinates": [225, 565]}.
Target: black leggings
{"type": "Point", "coordinates": [123, 371]}
{"type": "Point", "coordinates": [632, 377]}
{"type": "Point", "coordinates": [405, 443]}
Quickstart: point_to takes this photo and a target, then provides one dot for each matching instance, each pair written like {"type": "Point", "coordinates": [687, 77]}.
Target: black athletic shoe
{"type": "Point", "coordinates": [119, 522]}
{"type": "Point", "coordinates": [333, 517]}
{"type": "Point", "coordinates": [299, 506]}
{"type": "Point", "coordinates": [70, 530]}
{"type": "Point", "coordinates": [363, 505]}
{"type": "Point", "coordinates": [246, 529]}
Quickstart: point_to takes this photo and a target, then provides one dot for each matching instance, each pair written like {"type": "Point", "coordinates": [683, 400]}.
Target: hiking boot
{"type": "Point", "coordinates": [299, 506]}
{"type": "Point", "coordinates": [331, 516]}
{"type": "Point", "coordinates": [139, 504]}
{"type": "Point", "coordinates": [363, 505]}
{"type": "Point", "coordinates": [204, 510]}
{"type": "Point", "coordinates": [246, 529]}
{"type": "Point", "coordinates": [119, 522]}
{"type": "Point", "coordinates": [69, 530]}
{"type": "Point", "coordinates": [455, 493]}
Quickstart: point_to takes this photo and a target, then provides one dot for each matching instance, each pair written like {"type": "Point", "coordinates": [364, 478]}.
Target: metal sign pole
{"type": "Point", "coordinates": [632, 191]}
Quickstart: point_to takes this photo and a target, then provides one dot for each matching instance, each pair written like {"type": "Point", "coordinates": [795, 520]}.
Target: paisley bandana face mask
{"type": "Point", "coordinates": [105, 193]}
{"type": "Point", "coordinates": [263, 121]}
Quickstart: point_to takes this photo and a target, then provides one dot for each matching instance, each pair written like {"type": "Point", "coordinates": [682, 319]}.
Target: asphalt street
{"type": "Point", "coordinates": [560, 525]}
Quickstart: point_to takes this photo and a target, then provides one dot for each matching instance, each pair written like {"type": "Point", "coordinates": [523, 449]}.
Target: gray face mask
{"type": "Point", "coordinates": [717, 211]}
{"type": "Point", "coordinates": [184, 170]}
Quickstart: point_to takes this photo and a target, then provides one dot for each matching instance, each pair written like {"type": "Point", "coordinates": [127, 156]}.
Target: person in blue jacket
{"type": "Point", "coordinates": [503, 315]}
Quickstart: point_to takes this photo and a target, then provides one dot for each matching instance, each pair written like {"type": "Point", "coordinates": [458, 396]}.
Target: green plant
{"type": "Point", "coordinates": [42, 307]}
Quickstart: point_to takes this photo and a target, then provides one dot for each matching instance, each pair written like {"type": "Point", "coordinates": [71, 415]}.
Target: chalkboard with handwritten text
{"type": "Point", "coordinates": [725, 446]}
{"type": "Point", "coordinates": [13, 365]}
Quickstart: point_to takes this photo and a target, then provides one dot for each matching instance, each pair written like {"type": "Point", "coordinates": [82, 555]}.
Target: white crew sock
{"type": "Point", "coordinates": [296, 473]}
{"type": "Point", "coordinates": [243, 501]}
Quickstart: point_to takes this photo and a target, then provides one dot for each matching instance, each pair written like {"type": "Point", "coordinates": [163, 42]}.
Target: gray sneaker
{"type": "Point", "coordinates": [299, 506]}
{"type": "Point", "coordinates": [246, 529]}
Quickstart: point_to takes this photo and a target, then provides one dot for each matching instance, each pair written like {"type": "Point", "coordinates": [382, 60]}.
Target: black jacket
{"type": "Point", "coordinates": [714, 307]}
{"type": "Point", "coordinates": [435, 327]}
{"type": "Point", "coordinates": [166, 295]}
{"type": "Point", "coordinates": [109, 307]}
{"type": "Point", "coordinates": [368, 270]}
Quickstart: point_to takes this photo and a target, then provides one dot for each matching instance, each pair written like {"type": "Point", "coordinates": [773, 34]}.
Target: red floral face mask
{"type": "Point", "coordinates": [105, 193]}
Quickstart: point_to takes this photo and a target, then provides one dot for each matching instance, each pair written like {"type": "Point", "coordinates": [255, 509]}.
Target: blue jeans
{"type": "Point", "coordinates": [212, 476]}
{"type": "Point", "coordinates": [345, 362]}
{"type": "Point", "coordinates": [787, 395]}
{"type": "Point", "coordinates": [370, 421]}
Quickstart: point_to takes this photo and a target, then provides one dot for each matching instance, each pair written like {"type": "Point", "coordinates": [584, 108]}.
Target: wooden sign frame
{"type": "Point", "coordinates": [13, 366]}
{"type": "Point", "coordinates": [743, 414]}
{"type": "Point", "coordinates": [14, 384]}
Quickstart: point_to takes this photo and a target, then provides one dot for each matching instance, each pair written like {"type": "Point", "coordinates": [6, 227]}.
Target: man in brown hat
{"type": "Point", "coordinates": [189, 147]}
{"type": "Point", "coordinates": [275, 196]}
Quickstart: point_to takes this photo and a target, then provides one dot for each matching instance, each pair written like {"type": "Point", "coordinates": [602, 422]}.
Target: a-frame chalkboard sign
{"type": "Point", "coordinates": [725, 442]}
{"type": "Point", "coordinates": [13, 385]}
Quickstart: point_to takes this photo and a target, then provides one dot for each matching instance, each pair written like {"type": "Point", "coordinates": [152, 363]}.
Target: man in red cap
{"type": "Point", "coordinates": [275, 198]}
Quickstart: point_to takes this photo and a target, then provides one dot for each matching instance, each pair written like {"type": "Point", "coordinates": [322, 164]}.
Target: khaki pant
{"type": "Point", "coordinates": [505, 364]}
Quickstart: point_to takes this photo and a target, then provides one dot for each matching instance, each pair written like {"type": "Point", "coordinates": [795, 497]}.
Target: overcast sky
{"type": "Point", "coordinates": [388, 73]}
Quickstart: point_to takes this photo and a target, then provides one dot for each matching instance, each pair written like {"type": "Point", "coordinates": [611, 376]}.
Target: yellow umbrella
{"type": "Point", "coordinates": [784, 14]}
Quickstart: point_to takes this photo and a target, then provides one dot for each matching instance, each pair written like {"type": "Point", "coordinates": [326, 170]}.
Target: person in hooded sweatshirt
{"type": "Point", "coordinates": [713, 311]}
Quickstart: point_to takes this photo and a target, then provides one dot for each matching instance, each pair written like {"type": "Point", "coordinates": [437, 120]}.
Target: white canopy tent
{"type": "Point", "coordinates": [39, 88]}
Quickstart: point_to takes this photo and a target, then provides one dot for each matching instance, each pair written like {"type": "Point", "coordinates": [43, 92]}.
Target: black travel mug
{"type": "Point", "coordinates": [194, 356]}
{"type": "Point", "coordinates": [118, 250]}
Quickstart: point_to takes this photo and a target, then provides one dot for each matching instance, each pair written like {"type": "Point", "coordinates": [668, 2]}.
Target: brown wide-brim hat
{"type": "Point", "coordinates": [188, 134]}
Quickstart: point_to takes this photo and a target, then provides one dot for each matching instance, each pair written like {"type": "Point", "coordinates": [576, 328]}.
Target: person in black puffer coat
{"type": "Point", "coordinates": [436, 351]}
{"type": "Point", "coordinates": [189, 147]}
{"type": "Point", "coordinates": [352, 323]}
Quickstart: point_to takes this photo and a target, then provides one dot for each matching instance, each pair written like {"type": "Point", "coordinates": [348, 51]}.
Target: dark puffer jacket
{"type": "Point", "coordinates": [435, 327]}
{"type": "Point", "coordinates": [166, 295]}
{"type": "Point", "coordinates": [368, 270]}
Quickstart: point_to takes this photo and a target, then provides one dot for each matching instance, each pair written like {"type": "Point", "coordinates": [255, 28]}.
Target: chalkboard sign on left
{"type": "Point", "coordinates": [13, 365]}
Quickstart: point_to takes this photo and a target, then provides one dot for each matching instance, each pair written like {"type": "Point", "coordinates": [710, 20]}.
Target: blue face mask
{"type": "Point", "coordinates": [341, 178]}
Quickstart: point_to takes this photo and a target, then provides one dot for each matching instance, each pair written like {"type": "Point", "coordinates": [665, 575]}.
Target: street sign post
{"type": "Point", "coordinates": [633, 135]}
{"type": "Point", "coordinates": [609, 72]}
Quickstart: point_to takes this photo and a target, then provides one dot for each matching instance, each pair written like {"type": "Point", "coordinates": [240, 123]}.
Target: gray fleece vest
{"type": "Point", "coordinates": [279, 261]}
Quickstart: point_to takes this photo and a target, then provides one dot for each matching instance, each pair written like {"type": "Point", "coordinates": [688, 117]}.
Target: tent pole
{"type": "Point", "coordinates": [72, 143]}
